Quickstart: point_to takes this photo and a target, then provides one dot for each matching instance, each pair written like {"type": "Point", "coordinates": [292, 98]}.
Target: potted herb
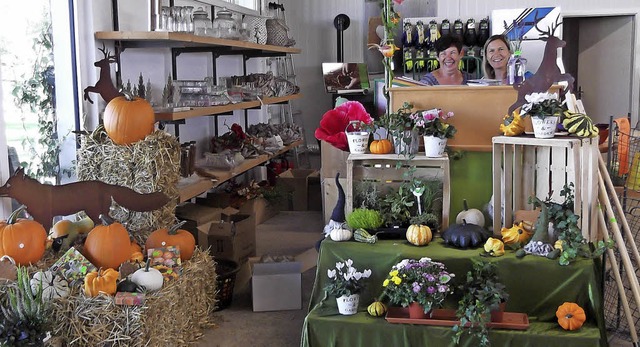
{"type": "Point", "coordinates": [482, 294]}
{"type": "Point", "coordinates": [401, 128]}
{"type": "Point", "coordinates": [346, 286]}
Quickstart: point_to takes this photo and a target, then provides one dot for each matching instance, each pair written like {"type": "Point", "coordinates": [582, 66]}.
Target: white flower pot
{"type": "Point", "coordinates": [434, 146]}
{"type": "Point", "coordinates": [544, 128]}
{"type": "Point", "coordinates": [348, 305]}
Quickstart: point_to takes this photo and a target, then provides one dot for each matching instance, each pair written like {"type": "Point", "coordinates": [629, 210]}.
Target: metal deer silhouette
{"type": "Point", "coordinates": [104, 86]}
{"type": "Point", "coordinates": [548, 72]}
{"type": "Point", "coordinates": [45, 201]}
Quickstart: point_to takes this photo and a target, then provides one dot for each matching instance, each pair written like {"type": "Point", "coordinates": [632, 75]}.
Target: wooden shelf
{"type": "Point", "coordinates": [189, 189]}
{"type": "Point", "coordinates": [206, 111]}
{"type": "Point", "coordinates": [137, 39]}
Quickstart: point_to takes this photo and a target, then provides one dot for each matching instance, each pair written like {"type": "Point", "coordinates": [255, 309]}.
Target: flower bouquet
{"type": "Point", "coordinates": [346, 285]}
{"type": "Point", "coordinates": [425, 282]}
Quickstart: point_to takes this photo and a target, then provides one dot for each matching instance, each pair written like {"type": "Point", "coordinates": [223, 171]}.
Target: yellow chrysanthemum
{"type": "Point", "coordinates": [396, 280]}
{"type": "Point", "coordinates": [385, 283]}
{"type": "Point", "coordinates": [393, 273]}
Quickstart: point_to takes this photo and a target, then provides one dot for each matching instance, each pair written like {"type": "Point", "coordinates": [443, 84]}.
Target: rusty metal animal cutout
{"type": "Point", "coordinates": [548, 72]}
{"type": "Point", "coordinates": [45, 201]}
{"type": "Point", "coordinates": [104, 86]}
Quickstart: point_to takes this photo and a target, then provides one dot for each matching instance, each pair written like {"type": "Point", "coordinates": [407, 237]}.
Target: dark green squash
{"type": "Point", "coordinates": [465, 235]}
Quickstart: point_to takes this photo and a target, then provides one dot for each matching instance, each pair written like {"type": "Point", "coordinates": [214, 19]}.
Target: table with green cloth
{"type": "Point", "coordinates": [536, 286]}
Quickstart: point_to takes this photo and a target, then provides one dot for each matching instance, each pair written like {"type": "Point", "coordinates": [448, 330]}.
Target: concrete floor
{"type": "Point", "coordinates": [287, 233]}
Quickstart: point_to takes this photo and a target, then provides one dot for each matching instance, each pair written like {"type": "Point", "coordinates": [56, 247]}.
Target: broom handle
{"type": "Point", "coordinates": [617, 236]}
{"type": "Point", "coordinates": [604, 174]}
{"type": "Point", "coordinates": [618, 278]}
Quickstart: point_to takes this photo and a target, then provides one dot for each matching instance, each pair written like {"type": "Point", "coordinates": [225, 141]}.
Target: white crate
{"type": "Point", "coordinates": [540, 166]}
{"type": "Point", "coordinates": [381, 168]}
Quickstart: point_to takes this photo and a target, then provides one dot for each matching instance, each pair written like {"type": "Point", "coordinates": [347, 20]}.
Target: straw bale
{"type": "Point", "coordinates": [176, 315]}
{"type": "Point", "coordinates": [147, 166]}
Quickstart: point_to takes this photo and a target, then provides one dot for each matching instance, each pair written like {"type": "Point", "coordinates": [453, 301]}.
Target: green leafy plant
{"type": "Point", "coordinates": [26, 318]}
{"type": "Point", "coordinates": [364, 218]}
{"type": "Point", "coordinates": [482, 293]}
{"type": "Point", "coordinates": [366, 195]}
{"type": "Point", "coordinates": [345, 279]}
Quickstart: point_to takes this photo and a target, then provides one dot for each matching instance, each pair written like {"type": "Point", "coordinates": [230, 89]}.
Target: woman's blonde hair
{"type": "Point", "coordinates": [487, 69]}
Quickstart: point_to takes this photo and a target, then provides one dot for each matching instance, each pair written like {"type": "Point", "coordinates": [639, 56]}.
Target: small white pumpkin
{"type": "Point", "coordinates": [341, 233]}
{"type": "Point", "coordinates": [53, 285]}
{"type": "Point", "coordinates": [471, 215]}
{"type": "Point", "coordinates": [149, 278]}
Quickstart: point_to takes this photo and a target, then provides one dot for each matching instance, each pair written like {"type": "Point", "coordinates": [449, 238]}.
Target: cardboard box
{"type": "Point", "coordinates": [277, 286]}
{"type": "Point", "coordinates": [296, 181]}
{"type": "Point", "coordinates": [233, 237]}
{"type": "Point", "coordinates": [261, 209]}
{"type": "Point", "coordinates": [196, 215]}
{"type": "Point", "coordinates": [218, 199]}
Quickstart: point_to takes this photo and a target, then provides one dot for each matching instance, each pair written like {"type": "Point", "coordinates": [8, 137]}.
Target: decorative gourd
{"type": "Point", "coordinates": [66, 227]}
{"type": "Point", "coordinates": [136, 253]}
{"type": "Point", "coordinates": [149, 278]}
{"type": "Point", "coordinates": [53, 285]}
{"type": "Point", "coordinates": [126, 285]}
{"type": "Point", "coordinates": [516, 235]}
{"type": "Point", "coordinates": [108, 245]}
{"type": "Point", "coordinates": [340, 233]}
{"type": "Point", "coordinates": [419, 235]}
{"type": "Point", "coordinates": [100, 281]}
{"type": "Point", "coordinates": [377, 309]}
{"type": "Point", "coordinates": [494, 247]}
{"type": "Point", "coordinates": [22, 239]}
{"type": "Point", "coordinates": [361, 235]}
{"type": "Point", "coordinates": [512, 125]}
{"type": "Point", "coordinates": [128, 119]}
{"type": "Point", "coordinates": [173, 236]}
{"type": "Point", "coordinates": [471, 215]}
{"type": "Point", "coordinates": [579, 124]}
{"type": "Point", "coordinates": [382, 146]}
{"type": "Point", "coordinates": [465, 235]}
{"type": "Point", "coordinates": [570, 316]}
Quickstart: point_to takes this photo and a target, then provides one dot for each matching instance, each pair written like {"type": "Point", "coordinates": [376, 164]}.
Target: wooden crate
{"type": "Point", "coordinates": [540, 166]}
{"type": "Point", "coordinates": [381, 168]}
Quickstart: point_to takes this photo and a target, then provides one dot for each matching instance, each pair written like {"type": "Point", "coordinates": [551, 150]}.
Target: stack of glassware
{"type": "Point", "coordinates": [200, 93]}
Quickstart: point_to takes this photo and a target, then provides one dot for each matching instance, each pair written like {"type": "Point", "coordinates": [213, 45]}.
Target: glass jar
{"type": "Point", "coordinates": [226, 26]}
{"type": "Point", "coordinates": [516, 69]}
{"type": "Point", "coordinates": [201, 22]}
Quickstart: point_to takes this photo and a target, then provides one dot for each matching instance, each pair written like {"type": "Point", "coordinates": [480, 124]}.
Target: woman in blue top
{"type": "Point", "coordinates": [449, 50]}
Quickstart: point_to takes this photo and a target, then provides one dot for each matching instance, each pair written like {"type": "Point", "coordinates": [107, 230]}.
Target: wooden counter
{"type": "Point", "coordinates": [478, 110]}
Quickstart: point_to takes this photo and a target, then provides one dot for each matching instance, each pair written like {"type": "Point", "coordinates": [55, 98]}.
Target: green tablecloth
{"type": "Point", "coordinates": [537, 286]}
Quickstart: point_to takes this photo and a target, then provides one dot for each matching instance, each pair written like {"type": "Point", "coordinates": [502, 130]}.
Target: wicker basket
{"type": "Point", "coordinates": [226, 280]}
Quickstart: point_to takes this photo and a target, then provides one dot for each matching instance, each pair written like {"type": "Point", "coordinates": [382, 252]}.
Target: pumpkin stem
{"type": "Point", "coordinates": [466, 207]}
{"type": "Point", "coordinates": [174, 229]}
{"type": "Point", "coordinates": [146, 268]}
{"type": "Point", "coordinates": [464, 221]}
{"type": "Point", "coordinates": [14, 215]}
{"type": "Point", "coordinates": [105, 219]}
{"type": "Point", "coordinates": [127, 95]}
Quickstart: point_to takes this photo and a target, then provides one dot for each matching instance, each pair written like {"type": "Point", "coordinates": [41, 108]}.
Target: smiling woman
{"type": "Point", "coordinates": [449, 51]}
{"type": "Point", "coordinates": [496, 55]}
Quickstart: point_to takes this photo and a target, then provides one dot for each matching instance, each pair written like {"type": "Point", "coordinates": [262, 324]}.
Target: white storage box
{"type": "Point", "coordinates": [277, 286]}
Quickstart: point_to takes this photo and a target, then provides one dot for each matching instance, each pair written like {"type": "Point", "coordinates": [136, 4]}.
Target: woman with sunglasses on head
{"type": "Point", "coordinates": [449, 51]}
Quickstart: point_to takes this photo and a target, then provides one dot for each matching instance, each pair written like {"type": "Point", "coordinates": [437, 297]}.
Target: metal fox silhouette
{"type": "Point", "coordinates": [45, 201]}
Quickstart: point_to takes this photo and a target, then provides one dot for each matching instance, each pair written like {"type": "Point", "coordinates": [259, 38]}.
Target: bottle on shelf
{"type": "Point", "coordinates": [516, 68]}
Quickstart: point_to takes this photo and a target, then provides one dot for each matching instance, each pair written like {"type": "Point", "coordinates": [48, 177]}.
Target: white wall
{"type": "Point", "coordinates": [5, 203]}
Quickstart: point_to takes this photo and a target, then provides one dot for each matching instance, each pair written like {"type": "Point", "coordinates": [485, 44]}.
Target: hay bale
{"type": "Point", "coordinates": [173, 316]}
{"type": "Point", "coordinates": [147, 166]}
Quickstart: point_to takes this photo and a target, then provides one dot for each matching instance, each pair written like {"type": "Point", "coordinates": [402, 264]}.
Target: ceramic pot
{"type": "Point", "coordinates": [434, 146]}
{"type": "Point", "coordinates": [416, 311]}
{"type": "Point", "coordinates": [408, 144]}
{"type": "Point", "coordinates": [545, 127]}
{"type": "Point", "coordinates": [497, 315]}
{"type": "Point", "coordinates": [348, 305]}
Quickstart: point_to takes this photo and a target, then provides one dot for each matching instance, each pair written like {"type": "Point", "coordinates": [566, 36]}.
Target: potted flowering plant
{"type": "Point", "coordinates": [418, 284]}
{"type": "Point", "coordinates": [545, 110]}
{"type": "Point", "coordinates": [433, 126]}
{"type": "Point", "coordinates": [346, 286]}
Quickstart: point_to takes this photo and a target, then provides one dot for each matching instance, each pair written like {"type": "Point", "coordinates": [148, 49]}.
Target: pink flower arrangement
{"type": "Point", "coordinates": [334, 122]}
{"type": "Point", "coordinates": [432, 123]}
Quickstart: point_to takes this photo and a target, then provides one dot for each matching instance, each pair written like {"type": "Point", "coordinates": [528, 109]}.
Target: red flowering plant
{"type": "Point", "coordinates": [334, 122]}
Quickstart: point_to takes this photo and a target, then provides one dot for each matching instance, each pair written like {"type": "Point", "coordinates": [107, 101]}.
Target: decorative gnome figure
{"type": "Point", "coordinates": [337, 216]}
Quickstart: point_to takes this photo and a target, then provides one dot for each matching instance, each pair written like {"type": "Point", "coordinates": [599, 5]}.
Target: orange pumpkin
{"type": "Point", "coordinates": [22, 239]}
{"type": "Point", "coordinates": [97, 282]}
{"type": "Point", "coordinates": [108, 245]}
{"type": "Point", "coordinates": [136, 253]}
{"type": "Point", "coordinates": [128, 119]}
{"type": "Point", "coordinates": [570, 316]}
{"type": "Point", "coordinates": [173, 236]}
{"type": "Point", "coordinates": [383, 146]}
{"type": "Point", "coordinates": [419, 235]}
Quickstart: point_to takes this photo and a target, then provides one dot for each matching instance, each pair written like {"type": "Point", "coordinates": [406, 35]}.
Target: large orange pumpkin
{"type": "Point", "coordinates": [22, 239]}
{"type": "Point", "coordinates": [173, 236]}
{"type": "Point", "coordinates": [570, 316]}
{"type": "Point", "coordinates": [108, 245]}
{"type": "Point", "coordinates": [128, 119]}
